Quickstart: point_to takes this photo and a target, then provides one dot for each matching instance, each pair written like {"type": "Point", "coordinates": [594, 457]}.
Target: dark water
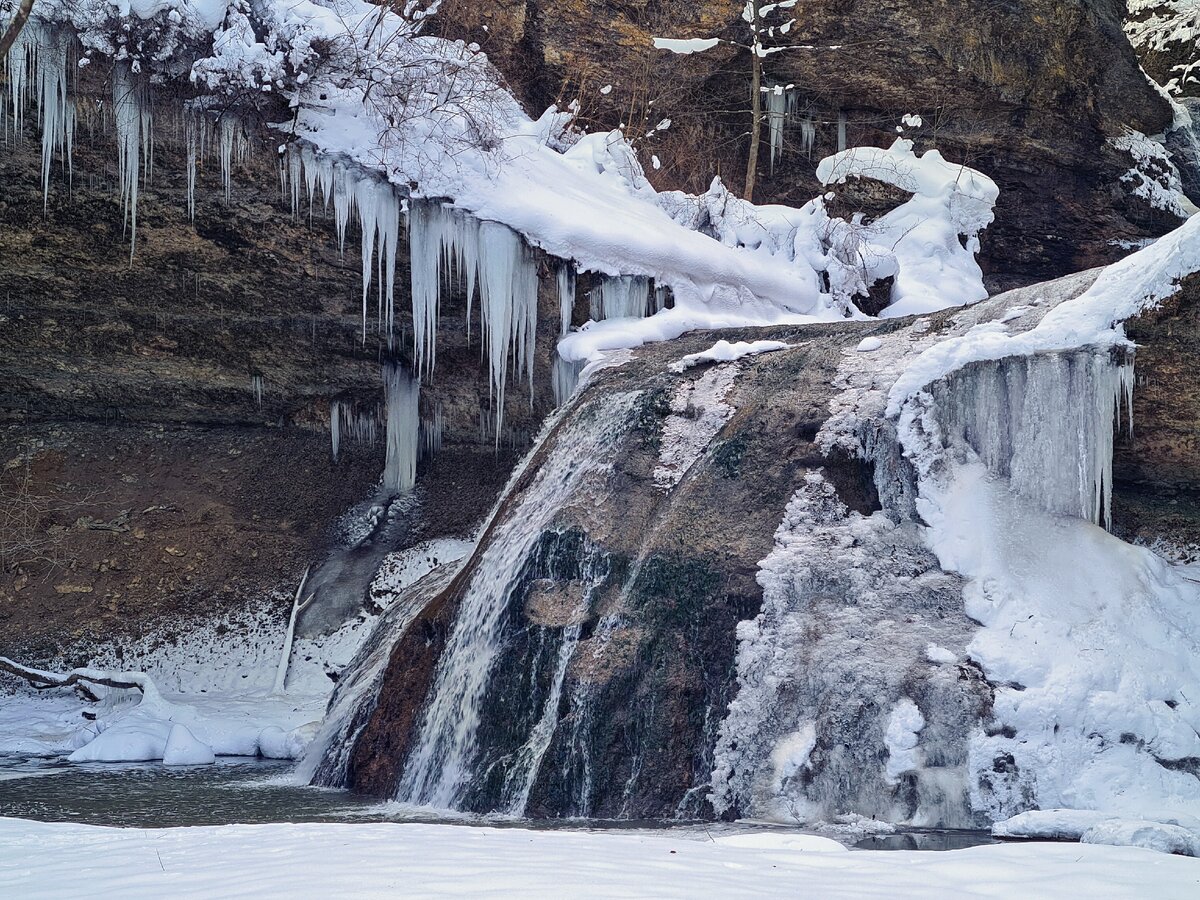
{"type": "Point", "coordinates": [254, 792]}
{"type": "Point", "coordinates": [926, 839]}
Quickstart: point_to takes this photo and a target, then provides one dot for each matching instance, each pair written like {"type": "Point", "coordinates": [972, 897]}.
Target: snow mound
{"type": "Point", "coordinates": [1151, 836]}
{"type": "Point", "coordinates": [182, 749]}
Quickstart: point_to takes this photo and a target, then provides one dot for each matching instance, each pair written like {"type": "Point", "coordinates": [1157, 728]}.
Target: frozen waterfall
{"type": "Point", "coordinates": [1045, 422]}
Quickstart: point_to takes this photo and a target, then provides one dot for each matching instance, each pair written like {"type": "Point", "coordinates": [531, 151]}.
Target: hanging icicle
{"type": "Point", "coordinates": [402, 395]}
{"type": "Point", "coordinates": [566, 295]}
{"type": "Point", "coordinates": [621, 297]}
{"type": "Point", "coordinates": [134, 139]}
{"type": "Point", "coordinates": [56, 109]}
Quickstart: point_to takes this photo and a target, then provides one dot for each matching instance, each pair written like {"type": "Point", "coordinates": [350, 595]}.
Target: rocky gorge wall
{"type": "Point", "coordinates": [1027, 93]}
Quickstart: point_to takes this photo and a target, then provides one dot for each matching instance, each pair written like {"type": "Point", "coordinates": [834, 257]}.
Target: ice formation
{"type": "Point", "coordinates": [135, 142]}
{"type": "Point", "coordinates": [348, 420]}
{"type": "Point", "coordinates": [450, 247]}
{"type": "Point", "coordinates": [566, 296]}
{"type": "Point", "coordinates": [782, 102]}
{"type": "Point", "coordinates": [1044, 422]}
{"type": "Point", "coordinates": [402, 399]}
{"type": "Point", "coordinates": [621, 297]}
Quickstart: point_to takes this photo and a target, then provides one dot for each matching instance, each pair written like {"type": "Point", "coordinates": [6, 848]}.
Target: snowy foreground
{"type": "Point", "coordinates": [63, 860]}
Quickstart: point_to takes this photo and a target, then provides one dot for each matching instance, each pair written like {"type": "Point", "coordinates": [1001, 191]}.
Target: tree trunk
{"type": "Point", "coordinates": [755, 106]}
{"type": "Point", "coordinates": [14, 27]}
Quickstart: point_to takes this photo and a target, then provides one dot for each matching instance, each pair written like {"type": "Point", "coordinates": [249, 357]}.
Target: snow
{"type": "Point", "coordinates": [901, 738]}
{"type": "Point", "coordinates": [1091, 643]}
{"type": "Point", "coordinates": [724, 351]}
{"type": "Point", "coordinates": [686, 47]}
{"type": "Point", "coordinates": [940, 655]}
{"type": "Point", "coordinates": [182, 749]}
{"type": "Point", "coordinates": [40, 860]}
{"type": "Point", "coordinates": [934, 269]}
{"type": "Point", "coordinates": [698, 413]}
{"type": "Point", "coordinates": [1174, 835]}
{"type": "Point", "coordinates": [1154, 176]}
{"type": "Point", "coordinates": [214, 679]}
{"type": "Point", "coordinates": [869, 345]}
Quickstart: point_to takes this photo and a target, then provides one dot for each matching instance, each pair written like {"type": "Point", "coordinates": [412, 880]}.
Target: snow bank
{"type": "Point", "coordinates": [210, 688]}
{"type": "Point", "coordinates": [57, 860]}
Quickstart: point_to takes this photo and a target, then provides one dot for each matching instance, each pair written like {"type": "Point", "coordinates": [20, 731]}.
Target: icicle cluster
{"type": "Point", "coordinates": [135, 143]}
{"type": "Point", "coordinates": [433, 431]}
{"type": "Point", "coordinates": [39, 64]}
{"type": "Point", "coordinates": [1045, 422]}
{"type": "Point", "coordinates": [449, 246]}
{"type": "Point", "coordinates": [625, 297]}
{"type": "Point", "coordinates": [402, 395]}
{"type": "Point", "coordinates": [352, 192]}
{"type": "Point", "coordinates": [347, 420]}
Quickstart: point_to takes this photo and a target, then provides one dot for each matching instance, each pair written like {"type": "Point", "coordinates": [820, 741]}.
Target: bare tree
{"type": "Point", "coordinates": [767, 24]}
{"type": "Point", "coordinates": [15, 26]}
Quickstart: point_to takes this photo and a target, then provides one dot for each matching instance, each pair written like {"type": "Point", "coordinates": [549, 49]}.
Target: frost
{"type": "Point", "coordinates": [698, 413]}
{"type": "Point", "coordinates": [1154, 176]}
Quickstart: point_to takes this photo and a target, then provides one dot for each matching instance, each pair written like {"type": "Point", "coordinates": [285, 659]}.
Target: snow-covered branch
{"type": "Point", "coordinates": [43, 679]}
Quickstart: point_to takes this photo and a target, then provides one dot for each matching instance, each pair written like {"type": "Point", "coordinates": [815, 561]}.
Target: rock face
{"type": "Point", "coordinates": [609, 662]}
{"type": "Point", "coordinates": [1165, 33]}
{"type": "Point", "coordinates": [1157, 468]}
{"type": "Point", "coordinates": [164, 421]}
{"type": "Point", "coordinates": [1027, 93]}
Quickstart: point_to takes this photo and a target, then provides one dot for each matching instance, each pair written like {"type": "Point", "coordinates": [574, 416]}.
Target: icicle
{"type": "Point", "coordinates": [335, 427]}
{"type": "Point", "coordinates": [20, 59]}
{"type": "Point", "coordinates": [295, 168]}
{"type": "Point", "coordinates": [131, 125]}
{"type": "Point", "coordinates": [777, 106]}
{"type": "Point", "coordinates": [432, 433]}
{"type": "Point", "coordinates": [379, 212]}
{"type": "Point", "coordinates": [256, 386]}
{"type": "Point", "coordinates": [56, 109]}
{"type": "Point", "coordinates": [841, 131]}
{"type": "Point", "coordinates": [403, 394]}
{"type": "Point", "coordinates": [566, 295]}
{"type": "Point", "coordinates": [565, 378]}
{"type": "Point", "coordinates": [230, 129]}
{"type": "Point", "coordinates": [193, 138]}
{"type": "Point", "coordinates": [508, 288]}
{"type": "Point", "coordinates": [661, 294]}
{"type": "Point", "coordinates": [621, 297]}
{"type": "Point", "coordinates": [808, 135]}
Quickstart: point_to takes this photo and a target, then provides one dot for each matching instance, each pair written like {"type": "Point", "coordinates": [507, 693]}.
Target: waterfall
{"type": "Point", "coordinates": [442, 762]}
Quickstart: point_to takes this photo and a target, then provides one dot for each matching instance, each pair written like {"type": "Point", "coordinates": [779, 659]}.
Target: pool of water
{"type": "Point", "coordinates": [253, 792]}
